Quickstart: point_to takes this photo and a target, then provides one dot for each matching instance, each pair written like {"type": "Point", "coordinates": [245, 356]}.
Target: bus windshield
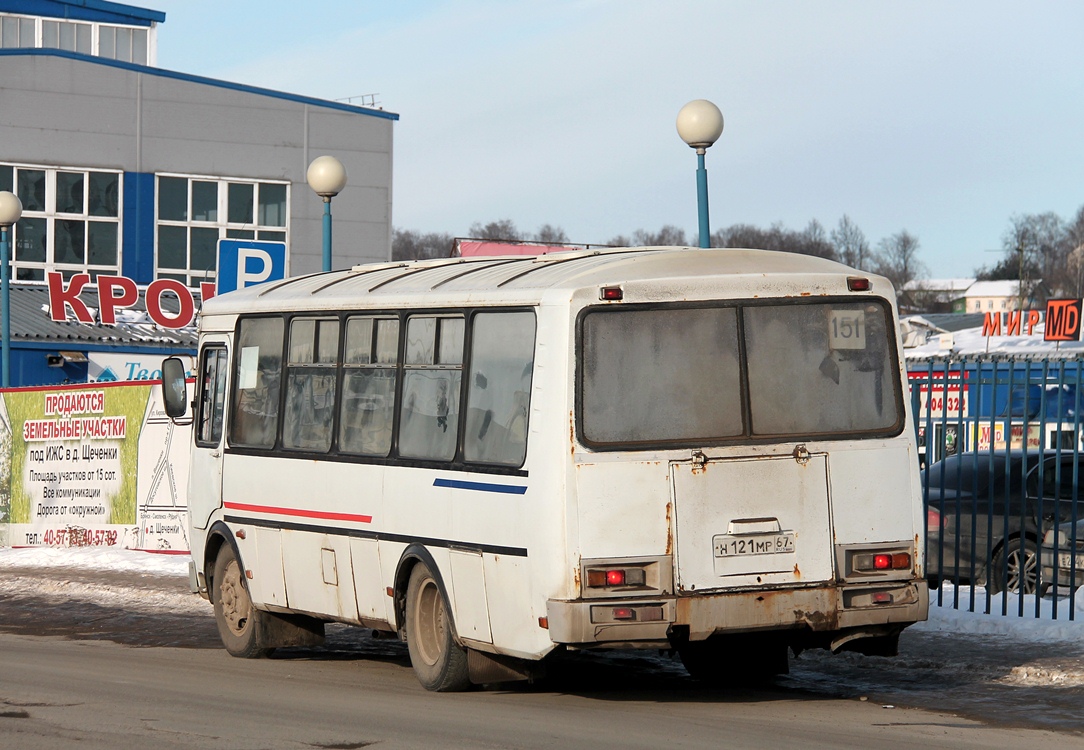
{"type": "Point", "coordinates": [694, 375]}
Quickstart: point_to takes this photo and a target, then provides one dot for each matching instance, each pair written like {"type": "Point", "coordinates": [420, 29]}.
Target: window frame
{"type": "Point", "coordinates": [190, 275]}
{"type": "Point", "coordinates": [291, 367]}
{"type": "Point", "coordinates": [393, 457]}
{"type": "Point", "coordinates": [348, 368]}
{"type": "Point", "coordinates": [746, 437]}
{"type": "Point", "coordinates": [148, 51]}
{"type": "Point", "coordinates": [224, 363]}
{"type": "Point", "coordinates": [51, 215]}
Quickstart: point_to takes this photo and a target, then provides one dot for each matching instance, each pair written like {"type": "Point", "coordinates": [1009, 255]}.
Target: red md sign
{"type": "Point", "coordinates": [119, 292]}
{"type": "Point", "coordinates": [1062, 320]}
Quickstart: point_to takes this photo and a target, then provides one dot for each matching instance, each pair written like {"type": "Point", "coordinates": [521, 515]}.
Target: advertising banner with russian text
{"type": "Point", "coordinates": [94, 465]}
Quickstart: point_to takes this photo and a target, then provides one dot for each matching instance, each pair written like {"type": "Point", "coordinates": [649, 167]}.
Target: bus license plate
{"type": "Point", "coordinates": [753, 544]}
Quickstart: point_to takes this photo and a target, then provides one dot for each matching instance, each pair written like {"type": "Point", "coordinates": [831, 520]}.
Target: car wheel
{"type": "Point", "coordinates": [1015, 568]}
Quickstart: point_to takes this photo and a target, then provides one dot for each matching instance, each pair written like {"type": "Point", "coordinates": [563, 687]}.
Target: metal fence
{"type": "Point", "coordinates": [1000, 445]}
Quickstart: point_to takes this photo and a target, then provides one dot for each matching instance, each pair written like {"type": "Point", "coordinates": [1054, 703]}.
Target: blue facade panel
{"type": "Point", "coordinates": [137, 248]}
{"type": "Point", "coordinates": [85, 10]}
{"type": "Point", "coordinates": [29, 367]}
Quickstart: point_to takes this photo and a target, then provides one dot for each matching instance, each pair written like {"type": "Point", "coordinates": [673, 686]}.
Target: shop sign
{"type": "Point", "coordinates": [120, 292]}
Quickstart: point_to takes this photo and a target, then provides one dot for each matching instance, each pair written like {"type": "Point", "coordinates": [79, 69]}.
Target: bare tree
{"type": "Point", "coordinates": [850, 243]}
{"type": "Point", "coordinates": [1037, 253]}
{"type": "Point", "coordinates": [1075, 245]}
{"type": "Point", "coordinates": [668, 235]}
{"type": "Point", "coordinates": [813, 240]}
{"type": "Point", "coordinates": [504, 229]}
{"type": "Point", "coordinates": [410, 245]}
{"type": "Point", "coordinates": [897, 259]}
{"type": "Point", "coordinates": [550, 233]}
{"type": "Point", "coordinates": [809, 241]}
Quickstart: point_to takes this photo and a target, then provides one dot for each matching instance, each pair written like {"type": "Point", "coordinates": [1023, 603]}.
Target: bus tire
{"type": "Point", "coordinates": [238, 621]}
{"type": "Point", "coordinates": [439, 662]}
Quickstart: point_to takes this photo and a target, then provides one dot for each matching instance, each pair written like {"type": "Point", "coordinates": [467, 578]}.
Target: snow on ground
{"type": "Point", "coordinates": [94, 558]}
{"type": "Point", "coordinates": [1053, 623]}
{"type": "Point", "coordinates": [103, 576]}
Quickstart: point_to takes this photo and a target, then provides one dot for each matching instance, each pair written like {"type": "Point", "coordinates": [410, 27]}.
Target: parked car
{"type": "Point", "coordinates": [1061, 556]}
{"type": "Point", "coordinates": [983, 512]}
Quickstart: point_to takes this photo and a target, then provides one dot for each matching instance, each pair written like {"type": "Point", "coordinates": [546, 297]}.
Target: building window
{"type": "Point", "coordinates": [194, 213]}
{"type": "Point", "coordinates": [123, 43]}
{"type": "Point", "coordinates": [16, 31]}
{"type": "Point", "coordinates": [126, 43]}
{"type": "Point", "coordinates": [66, 35]}
{"type": "Point", "coordinates": [70, 221]}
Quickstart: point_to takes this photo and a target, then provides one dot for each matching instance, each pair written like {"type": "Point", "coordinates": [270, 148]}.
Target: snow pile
{"type": "Point", "coordinates": [94, 558]}
{"type": "Point", "coordinates": [1052, 624]}
{"type": "Point", "coordinates": [971, 342]}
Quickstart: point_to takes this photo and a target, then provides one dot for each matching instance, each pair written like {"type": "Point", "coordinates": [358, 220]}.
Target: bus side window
{"type": "Point", "coordinates": [369, 374]}
{"type": "Point", "coordinates": [255, 409]}
{"type": "Point", "coordinates": [499, 389]}
{"type": "Point", "coordinates": [212, 403]}
{"type": "Point", "coordinates": [433, 373]}
{"type": "Point", "coordinates": [310, 384]}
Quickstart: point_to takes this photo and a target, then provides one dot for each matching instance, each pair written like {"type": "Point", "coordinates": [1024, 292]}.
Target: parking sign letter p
{"type": "Point", "coordinates": [260, 259]}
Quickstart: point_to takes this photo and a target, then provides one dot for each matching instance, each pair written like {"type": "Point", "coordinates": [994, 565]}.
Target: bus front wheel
{"type": "Point", "coordinates": [438, 661]}
{"type": "Point", "coordinates": [238, 621]}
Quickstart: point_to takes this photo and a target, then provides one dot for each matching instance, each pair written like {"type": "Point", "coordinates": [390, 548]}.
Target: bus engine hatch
{"type": "Point", "coordinates": [752, 522]}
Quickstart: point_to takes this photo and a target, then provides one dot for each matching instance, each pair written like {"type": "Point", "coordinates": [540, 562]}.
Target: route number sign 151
{"type": "Point", "coordinates": [847, 329]}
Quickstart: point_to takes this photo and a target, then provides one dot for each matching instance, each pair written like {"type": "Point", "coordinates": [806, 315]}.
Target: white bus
{"type": "Point", "coordinates": [706, 451]}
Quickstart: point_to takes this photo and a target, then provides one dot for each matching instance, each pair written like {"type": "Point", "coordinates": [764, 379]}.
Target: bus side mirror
{"type": "Point", "coordinates": [174, 389]}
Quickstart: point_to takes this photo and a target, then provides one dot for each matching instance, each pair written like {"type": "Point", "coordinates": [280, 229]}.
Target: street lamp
{"type": "Point", "coordinates": [11, 208]}
{"type": "Point", "coordinates": [700, 123]}
{"type": "Point", "coordinates": [327, 178]}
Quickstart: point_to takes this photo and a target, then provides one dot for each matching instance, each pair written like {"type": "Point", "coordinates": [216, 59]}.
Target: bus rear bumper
{"type": "Point", "coordinates": [823, 610]}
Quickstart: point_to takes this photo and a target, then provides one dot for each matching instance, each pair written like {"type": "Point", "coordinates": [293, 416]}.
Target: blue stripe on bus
{"type": "Point", "coordinates": [455, 484]}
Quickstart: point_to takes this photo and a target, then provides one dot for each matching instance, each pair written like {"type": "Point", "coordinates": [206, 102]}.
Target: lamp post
{"type": "Point", "coordinates": [11, 208]}
{"type": "Point", "coordinates": [327, 178]}
{"type": "Point", "coordinates": [700, 123]}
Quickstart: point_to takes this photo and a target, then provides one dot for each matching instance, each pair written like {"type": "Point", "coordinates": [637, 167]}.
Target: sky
{"type": "Point", "coordinates": [944, 119]}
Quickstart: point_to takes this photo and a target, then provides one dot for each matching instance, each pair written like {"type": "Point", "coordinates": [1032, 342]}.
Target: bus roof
{"type": "Point", "coordinates": [684, 271]}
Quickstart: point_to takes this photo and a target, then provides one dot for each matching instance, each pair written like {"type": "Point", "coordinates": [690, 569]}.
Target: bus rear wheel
{"type": "Point", "coordinates": [438, 661]}
{"type": "Point", "coordinates": [238, 621]}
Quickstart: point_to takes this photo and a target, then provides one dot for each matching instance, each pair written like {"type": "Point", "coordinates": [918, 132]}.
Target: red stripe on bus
{"type": "Point", "coordinates": [301, 513]}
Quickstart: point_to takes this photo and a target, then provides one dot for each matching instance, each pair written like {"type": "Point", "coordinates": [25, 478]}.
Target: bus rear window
{"type": "Point", "coordinates": [720, 374]}
{"type": "Point", "coordinates": [661, 375]}
{"type": "Point", "coordinates": [820, 369]}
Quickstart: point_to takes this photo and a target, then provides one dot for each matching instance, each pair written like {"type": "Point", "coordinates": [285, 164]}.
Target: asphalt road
{"type": "Point", "coordinates": [98, 694]}
{"type": "Point", "coordinates": [146, 671]}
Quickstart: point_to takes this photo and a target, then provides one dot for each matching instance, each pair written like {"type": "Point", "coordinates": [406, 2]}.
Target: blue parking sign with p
{"type": "Point", "coordinates": [244, 263]}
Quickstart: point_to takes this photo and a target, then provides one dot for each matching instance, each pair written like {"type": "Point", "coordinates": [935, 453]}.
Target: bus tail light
{"type": "Point", "coordinates": [602, 578]}
{"type": "Point", "coordinates": [608, 578]}
{"type": "Point", "coordinates": [877, 562]}
{"type": "Point", "coordinates": [858, 284]}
